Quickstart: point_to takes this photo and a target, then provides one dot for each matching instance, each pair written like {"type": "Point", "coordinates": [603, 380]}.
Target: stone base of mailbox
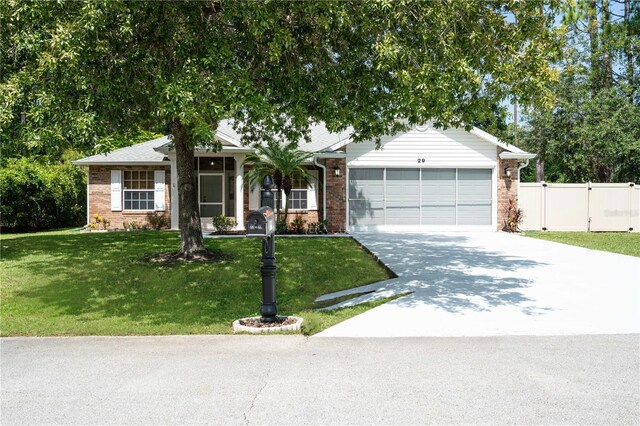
{"type": "Point", "coordinates": [237, 327]}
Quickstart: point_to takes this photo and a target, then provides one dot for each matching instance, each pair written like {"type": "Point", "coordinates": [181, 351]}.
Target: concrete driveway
{"type": "Point", "coordinates": [491, 284]}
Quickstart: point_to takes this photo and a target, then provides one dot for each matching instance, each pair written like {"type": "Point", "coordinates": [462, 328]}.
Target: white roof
{"type": "Point", "coordinates": [322, 141]}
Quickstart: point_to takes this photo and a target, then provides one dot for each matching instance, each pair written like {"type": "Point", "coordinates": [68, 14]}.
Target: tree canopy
{"type": "Point", "coordinates": [78, 73]}
{"type": "Point", "coordinates": [592, 133]}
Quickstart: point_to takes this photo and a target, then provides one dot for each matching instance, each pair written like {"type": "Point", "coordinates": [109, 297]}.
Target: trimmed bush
{"type": "Point", "coordinates": [35, 196]}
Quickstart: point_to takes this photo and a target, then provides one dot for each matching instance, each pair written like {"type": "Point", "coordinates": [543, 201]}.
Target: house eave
{"type": "Point", "coordinates": [122, 163]}
{"type": "Point", "coordinates": [505, 155]}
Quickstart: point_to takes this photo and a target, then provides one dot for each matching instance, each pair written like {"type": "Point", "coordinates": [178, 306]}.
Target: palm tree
{"type": "Point", "coordinates": [284, 163]}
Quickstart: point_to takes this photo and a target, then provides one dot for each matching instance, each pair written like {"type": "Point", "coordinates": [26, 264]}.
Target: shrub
{"type": "Point", "coordinates": [35, 196]}
{"type": "Point", "coordinates": [513, 217]}
{"type": "Point", "coordinates": [297, 225]}
{"type": "Point", "coordinates": [281, 226]}
{"type": "Point", "coordinates": [157, 220]}
{"type": "Point", "coordinates": [321, 227]}
{"type": "Point", "coordinates": [223, 224]}
{"type": "Point", "coordinates": [131, 226]}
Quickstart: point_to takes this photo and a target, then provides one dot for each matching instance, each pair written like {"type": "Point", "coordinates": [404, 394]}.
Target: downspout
{"type": "Point", "coordinates": [520, 167]}
{"type": "Point", "coordinates": [324, 187]}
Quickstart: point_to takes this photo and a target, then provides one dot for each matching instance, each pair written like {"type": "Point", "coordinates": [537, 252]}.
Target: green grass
{"type": "Point", "coordinates": [72, 283]}
{"type": "Point", "coordinates": [616, 242]}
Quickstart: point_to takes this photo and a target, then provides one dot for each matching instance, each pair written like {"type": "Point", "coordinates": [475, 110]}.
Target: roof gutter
{"type": "Point", "coordinates": [330, 155]}
{"type": "Point", "coordinates": [517, 155]}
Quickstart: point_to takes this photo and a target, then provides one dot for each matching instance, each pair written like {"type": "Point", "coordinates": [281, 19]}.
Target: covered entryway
{"type": "Point", "coordinates": [393, 197]}
{"type": "Point", "coordinates": [216, 188]}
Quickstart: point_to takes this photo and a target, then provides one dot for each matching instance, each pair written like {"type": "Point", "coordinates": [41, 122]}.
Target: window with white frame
{"type": "Point", "coordinates": [138, 190]}
{"type": "Point", "coordinates": [297, 200]}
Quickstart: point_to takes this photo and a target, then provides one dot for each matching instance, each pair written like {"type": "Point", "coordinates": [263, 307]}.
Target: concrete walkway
{"type": "Point", "coordinates": [294, 380]}
{"type": "Point", "coordinates": [490, 284]}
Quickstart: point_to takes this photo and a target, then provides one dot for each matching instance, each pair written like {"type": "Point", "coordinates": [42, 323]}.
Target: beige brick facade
{"type": "Point", "coordinates": [507, 187]}
{"type": "Point", "coordinates": [100, 195]}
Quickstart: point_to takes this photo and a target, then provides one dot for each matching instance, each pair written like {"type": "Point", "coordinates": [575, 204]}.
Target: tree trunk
{"type": "Point", "coordinates": [607, 54]}
{"type": "Point", "coordinates": [627, 49]}
{"type": "Point", "coordinates": [594, 47]}
{"type": "Point", "coordinates": [539, 170]}
{"type": "Point", "coordinates": [192, 242]}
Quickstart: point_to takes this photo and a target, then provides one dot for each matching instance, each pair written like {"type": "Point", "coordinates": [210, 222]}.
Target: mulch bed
{"type": "Point", "coordinates": [255, 322]}
{"type": "Point", "coordinates": [210, 256]}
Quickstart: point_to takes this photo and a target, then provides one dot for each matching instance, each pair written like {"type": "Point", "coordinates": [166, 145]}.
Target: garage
{"type": "Point", "coordinates": [394, 197]}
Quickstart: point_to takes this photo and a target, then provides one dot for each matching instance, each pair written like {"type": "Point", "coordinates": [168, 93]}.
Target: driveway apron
{"type": "Point", "coordinates": [491, 284]}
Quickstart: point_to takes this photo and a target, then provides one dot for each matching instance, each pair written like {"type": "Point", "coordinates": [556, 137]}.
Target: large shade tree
{"type": "Point", "coordinates": [76, 72]}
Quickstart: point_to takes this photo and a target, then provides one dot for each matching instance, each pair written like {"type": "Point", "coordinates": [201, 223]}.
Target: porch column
{"type": "Point", "coordinates": [174, 191]}
{"type": "Point", "coordinates": [239, 158]}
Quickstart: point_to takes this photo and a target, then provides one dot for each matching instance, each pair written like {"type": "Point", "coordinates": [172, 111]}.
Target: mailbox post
{"type": "Point", "coordinates": [261, 223]}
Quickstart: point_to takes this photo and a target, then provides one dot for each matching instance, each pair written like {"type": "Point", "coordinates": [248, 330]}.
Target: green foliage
{"type": "Point", "coordinates": [100, 222]}
{"type": "Point", "coordinates": [586, 137]}
{"type": "Point", "coordinates": [297, 225]}
{"type": "Point", "coordinates": [98, 284]}
{"type": "Point", "coordinates": [157, 220]}
{"type": "Point", "coordinates": [223, 224]}
{"type": "Point", "coordinates": [592, 133]}
{"type": "Point", "coordinates": [76, 72]}
{"type": "Point", "coordinates": [281, 226]}
{"type": "Point", "coordinates": [283, 162]}
{"type": "Point", "coordinates": [321, 227]}
{"type": "Point", "coordinates": [35, 196]}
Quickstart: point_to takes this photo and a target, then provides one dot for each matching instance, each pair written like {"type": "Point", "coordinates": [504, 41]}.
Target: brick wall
{"type": "Point", "coordinates": [336, 194]}
{"type": "Point", "coordinates": [100, 195]}
{"type": "Point", "coordinates": [507, 187]}
{"type": "Point", "coordinates": [307, 215]}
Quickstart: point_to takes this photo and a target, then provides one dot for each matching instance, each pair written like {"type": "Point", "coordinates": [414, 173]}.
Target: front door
{"type": "Point", "coordinates": [211, 195]}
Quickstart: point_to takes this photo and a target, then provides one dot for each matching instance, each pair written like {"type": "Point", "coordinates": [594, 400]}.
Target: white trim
{"type": "Point", "coordinates": [239, 200]}
{"type": "Point", "coordinates": [116, 191]}
{"type": "Point", "coordinates": [312, 193]}
{"type": "Point", "coordinates": [88, 204]}
{"type": "Point", "coordinates": [516, 156]}
{"type": "Point", "coordinates": [121, 163]}
{"type": "Point", "coordinates": [173, 197]}
{"type": "Point", "coordinates": [159, 179]}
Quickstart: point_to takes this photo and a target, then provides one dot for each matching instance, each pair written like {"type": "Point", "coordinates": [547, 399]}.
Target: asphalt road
{"type": "Point", "coordinates": [294, 380]}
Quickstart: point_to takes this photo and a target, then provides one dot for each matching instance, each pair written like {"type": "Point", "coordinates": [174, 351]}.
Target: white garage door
{"type": "Point", "coordinates": [380, 196]}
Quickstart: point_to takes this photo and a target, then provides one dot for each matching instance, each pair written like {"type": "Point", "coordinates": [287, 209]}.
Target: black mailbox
{"type": "Point", "coordinates": [261, 223]}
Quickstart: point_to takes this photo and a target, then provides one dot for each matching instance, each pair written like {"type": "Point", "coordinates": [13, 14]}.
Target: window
{"type": "Point", "coordinates": [298, 198]}
{"type": "Point", "coordinates": [138, 190]}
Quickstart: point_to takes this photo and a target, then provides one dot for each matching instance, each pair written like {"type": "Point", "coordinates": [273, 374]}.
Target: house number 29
{"type": "Point", "coordinates": [421, 160]}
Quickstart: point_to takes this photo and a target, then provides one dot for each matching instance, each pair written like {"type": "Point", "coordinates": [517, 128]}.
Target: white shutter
{"type": "Point", "coordinates": [254, 198]}
{"type": "Point", "coordinates": [116, 190]}
{"type": "Point", "coordinates": [158, 193]}
{"type": "Point", "coordinates": [312, 193]}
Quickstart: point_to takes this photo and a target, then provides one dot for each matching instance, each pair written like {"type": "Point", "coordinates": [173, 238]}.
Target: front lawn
{"type": "Point", "coordinates": [72, 283]}
{"type": "Point", "coordinates": [617, 242]}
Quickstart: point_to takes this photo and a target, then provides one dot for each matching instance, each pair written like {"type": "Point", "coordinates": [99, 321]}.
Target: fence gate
{"type": "Point", "coordinates": [580, 207]}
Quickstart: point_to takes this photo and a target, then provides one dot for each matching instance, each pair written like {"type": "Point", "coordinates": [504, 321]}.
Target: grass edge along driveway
{"type": "Point", "coordinates": [627, 243]}
{"type": "Point", "coordinates": [68, 283]}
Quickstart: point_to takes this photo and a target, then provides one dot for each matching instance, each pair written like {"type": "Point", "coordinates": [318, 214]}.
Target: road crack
{"type": "Point", "coordinates": [255, 397]}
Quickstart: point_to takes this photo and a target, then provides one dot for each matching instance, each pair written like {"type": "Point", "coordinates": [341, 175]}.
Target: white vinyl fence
{"type": "Point", "coordinates": [580, 206]}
